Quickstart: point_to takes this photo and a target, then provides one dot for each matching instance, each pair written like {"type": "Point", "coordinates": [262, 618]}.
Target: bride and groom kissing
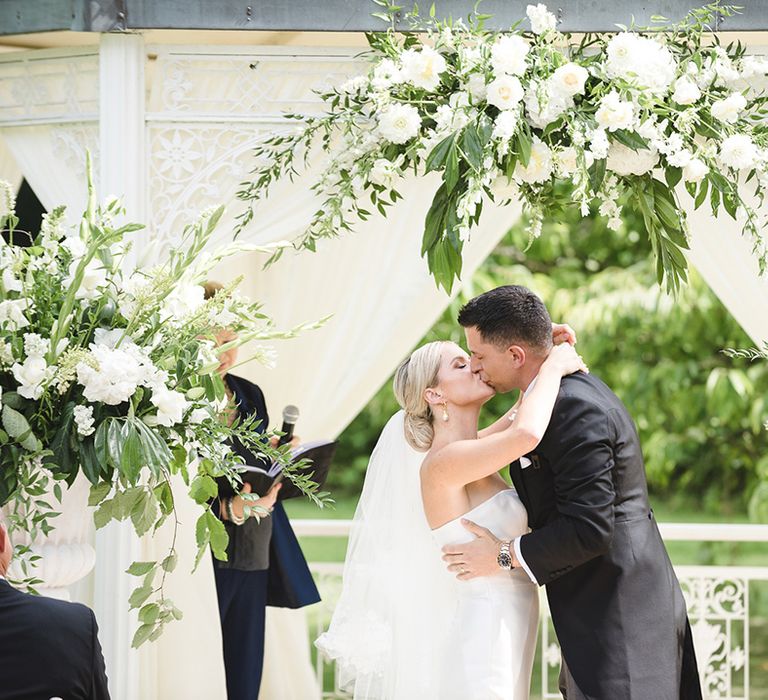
{"type": "Point", "coordinates": [439, 597]}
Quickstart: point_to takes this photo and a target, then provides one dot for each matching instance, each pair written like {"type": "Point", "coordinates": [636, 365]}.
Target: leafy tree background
{"type": "Point", "coordinates": [700, 414]}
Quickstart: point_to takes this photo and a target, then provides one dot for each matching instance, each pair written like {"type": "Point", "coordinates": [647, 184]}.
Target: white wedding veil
{"type": "Point", "coordinates": [388, 629]}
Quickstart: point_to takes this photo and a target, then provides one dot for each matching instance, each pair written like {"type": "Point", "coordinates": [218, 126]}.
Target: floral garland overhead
{"type": "Point", "coordinates": [622, 118]}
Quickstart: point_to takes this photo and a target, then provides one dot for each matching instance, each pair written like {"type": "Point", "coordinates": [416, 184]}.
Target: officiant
{"type": "Point", "coordinates": [265, 564]}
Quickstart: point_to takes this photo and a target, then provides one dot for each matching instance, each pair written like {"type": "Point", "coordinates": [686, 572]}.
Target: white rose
{"type": "Point", "coordinates": [729, 109]}
{"type": "Point", "coordinates": [505, 92]}
{"type": "Point", "coordinates": [505, 126]}
{"type": "Point", "coordinates": [542, 107]}
{"type": "Point", "coordinates": [567, 161]}
{"type": "Point", "coordinates": [399, 123]}
{"type": "Point", "coordinates": [183, 300]}
{"type": "Point", "coordinates": [541, 20]}
{"type": "Point", "coordinates": [12, 313]}
{"type": "Point", "coordinates": [383, 173]}
{"type": "Point", "coordinates": [615, 113]}
{"type": "Point", "coordinates": [641, 61]}
{"type": "Point", "coordinates": [508, 55]}
{"type": "Point", "coordinates": [695, 171]}
{"type": "Point", "coordinates": [686, 91]}
{"type": "Point", "coordinates": [170, 405]}
{"type": "Point", "coordinates": [540, 165]}
{"type": "Point", "coordinates": [622, 160]}
{"type": "Point", "coordinates": [84, 420]}
{"type": "Point", "coordinates": [31, 375]}
{"type": "Point", "coordinates": [569, 79]}
{"type": "Point", "coordinates": [738, 152]}
{"type": "Point", "coordinates": [115, 378]}
{"type": "Point", "coordinates": [476, 86]}
{"type": "Point", "coordinates": [504, 189]}
{"type": "Point", "coordinates": [422, 68]}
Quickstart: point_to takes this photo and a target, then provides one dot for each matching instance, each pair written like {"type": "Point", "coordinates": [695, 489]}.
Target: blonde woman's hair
{"type": "Point", "coordinates": [210, 288]}
{"type": "Point", "coordinates": [413, 377]}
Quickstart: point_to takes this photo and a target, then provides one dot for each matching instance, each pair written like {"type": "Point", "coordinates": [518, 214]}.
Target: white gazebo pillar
{"type": "Point", "coordinates": [123, 173]}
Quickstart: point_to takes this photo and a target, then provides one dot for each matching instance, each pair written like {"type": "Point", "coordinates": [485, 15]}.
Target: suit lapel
{"type": "Point", "coordinates": [516, 473]}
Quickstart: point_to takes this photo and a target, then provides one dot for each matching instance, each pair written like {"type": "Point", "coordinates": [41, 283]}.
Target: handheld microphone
{"type": "Point", "coordinates": [290, 416]}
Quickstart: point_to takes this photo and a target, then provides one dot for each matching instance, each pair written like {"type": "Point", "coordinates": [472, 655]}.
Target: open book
{"type": "Point", "coordinates": [261, 479]}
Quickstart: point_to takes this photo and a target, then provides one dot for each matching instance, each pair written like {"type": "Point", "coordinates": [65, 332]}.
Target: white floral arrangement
{"type": "Point", "coordinates": [109, 370]}
{"type": "Point", "coordinates": [622, 119]}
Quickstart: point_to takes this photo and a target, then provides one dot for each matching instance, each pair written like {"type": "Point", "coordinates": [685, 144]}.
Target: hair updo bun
{"type": "Point", "coordinates": [413, 377]}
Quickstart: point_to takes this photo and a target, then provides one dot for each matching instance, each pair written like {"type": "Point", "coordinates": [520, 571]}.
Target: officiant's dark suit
{"type": "Point", "coordinates": [616, 604]}
{"type": "Point", "coordinates": [48, 648]}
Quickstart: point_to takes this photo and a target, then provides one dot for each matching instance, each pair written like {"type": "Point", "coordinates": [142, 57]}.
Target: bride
{"type": "Point", "coordinates": [404, 628]}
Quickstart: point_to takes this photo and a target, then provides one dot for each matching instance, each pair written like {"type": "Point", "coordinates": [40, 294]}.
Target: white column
{"type": "Point", "coordinates": [122, 172]}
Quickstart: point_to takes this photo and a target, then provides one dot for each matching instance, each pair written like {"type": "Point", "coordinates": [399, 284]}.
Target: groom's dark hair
{"type": "Point", "coordinates": [508, 315]}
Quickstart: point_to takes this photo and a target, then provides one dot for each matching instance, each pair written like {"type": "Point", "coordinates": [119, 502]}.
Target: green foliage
{"type": "Point", "coordinates": [700, 413]}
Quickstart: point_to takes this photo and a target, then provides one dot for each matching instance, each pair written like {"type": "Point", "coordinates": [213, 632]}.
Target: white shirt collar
{"type": "Point", "coordinates": [530, 386]}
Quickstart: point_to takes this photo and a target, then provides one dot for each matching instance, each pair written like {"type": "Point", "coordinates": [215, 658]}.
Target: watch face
{"type": "Point", "coordinates": [504, 560]}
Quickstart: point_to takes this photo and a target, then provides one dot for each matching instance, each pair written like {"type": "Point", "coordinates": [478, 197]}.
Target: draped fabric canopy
{"type": "Point", "coordinates": [201, 111]}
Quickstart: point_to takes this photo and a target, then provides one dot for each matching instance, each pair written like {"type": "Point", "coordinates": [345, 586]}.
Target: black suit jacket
{"type": "Point", "coordinates": [616, 604]}
{"type": "Point", "coordinates": [48, 648]}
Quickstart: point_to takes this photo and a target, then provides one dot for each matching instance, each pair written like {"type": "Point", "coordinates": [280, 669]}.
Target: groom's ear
{"type": "Point", "coordinates": [517, 354]}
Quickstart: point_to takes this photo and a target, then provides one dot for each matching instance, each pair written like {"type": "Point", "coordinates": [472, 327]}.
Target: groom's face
{"type": "Point", "coordinates": [499, 367]}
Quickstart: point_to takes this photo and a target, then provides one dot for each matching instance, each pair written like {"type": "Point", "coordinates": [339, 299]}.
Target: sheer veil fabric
{"type": "Point", "coordinates": [389, 629]}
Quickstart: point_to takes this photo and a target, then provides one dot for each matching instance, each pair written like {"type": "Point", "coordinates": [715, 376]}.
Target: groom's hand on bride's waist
{"type": "Point", "coordinates": [478, 557]}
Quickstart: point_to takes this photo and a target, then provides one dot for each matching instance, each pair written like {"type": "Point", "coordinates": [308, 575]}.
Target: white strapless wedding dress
{"type": "Point", "coordinates": [492, 640]}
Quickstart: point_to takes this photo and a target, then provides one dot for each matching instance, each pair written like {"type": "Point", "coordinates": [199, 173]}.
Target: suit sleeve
{"type": "Point", "coordinates": [581, 458]}
{"type": "Point", "coordinates": [99, 687]}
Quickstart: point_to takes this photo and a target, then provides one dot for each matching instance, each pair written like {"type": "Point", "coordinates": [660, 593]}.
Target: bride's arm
{"type": "Point", "coordinates": [561, 333]}
{"type": "Point", "coordinates": [464, 461]}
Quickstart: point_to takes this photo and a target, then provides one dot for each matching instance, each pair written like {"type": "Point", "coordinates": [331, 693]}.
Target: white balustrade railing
{"type": "Point", "coordinates": [718, 600]}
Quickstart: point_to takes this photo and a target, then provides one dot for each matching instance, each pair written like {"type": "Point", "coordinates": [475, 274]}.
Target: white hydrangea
{"type": "Point", "coordinates": [540, 165]}
{"type": "Point", "coordinates": [640, 60]}
{"type": "Point", "coordinates": [569, 79]}
{"type": "Point", "coordinates": [422, 68]}
{"type": "Point", "coordinates": [399, 123]}
{"type": "Point", "coordinates": [686, 91]}
{"type": "Point", "coordinates": [541, 19]}
{"type": "Point", "coordinates": [505, 92]}
{"type": "Point", "coordinates": [622, 160]}
{"type": "Point", "coordinates": [505, 125]}
{"type": "Point", "coordinates": [695, 171]}
{"type": "Point", "coordinates": [170, 405]}
{"type": "Point", "coordinates": [12, 313]}
{"type": "Point", "coordinates": [115, 378]}
{"type": "Point", "coordinates": [738, 152]}
{"type": "Point", "coordinates": [729, 109]}
{"type": "Point", "coordinates": [383, 173]}
{"type": "Point", "coordinates": [615, 113]}
{"type": "Point", "coordinates": [508, 55]}
{"type": "Point", "coordinates": [32, 376]}
{"type": "Point", "coordinates": [183, 300]}
{"type": "Point", "coordinates": [385, 74]}
{"type": "Point", "coordinates": [84, 420]}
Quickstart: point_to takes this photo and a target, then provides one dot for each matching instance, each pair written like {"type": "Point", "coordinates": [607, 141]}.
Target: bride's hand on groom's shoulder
{"type": "Point", "coordinates": [563, 333]}
{"type": "Point", "coordinates": [564, 359]}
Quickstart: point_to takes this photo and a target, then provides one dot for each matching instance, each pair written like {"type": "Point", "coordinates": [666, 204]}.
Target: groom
{"type": "Point", "coordinates": [616, 604]}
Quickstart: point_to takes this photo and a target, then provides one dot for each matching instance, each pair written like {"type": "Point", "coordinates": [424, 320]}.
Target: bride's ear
{"type": "Point", "coordinates": [433, 397]}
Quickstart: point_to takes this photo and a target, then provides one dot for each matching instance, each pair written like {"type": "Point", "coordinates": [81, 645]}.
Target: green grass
{"type": "Point", "coordinates": [333, 549]}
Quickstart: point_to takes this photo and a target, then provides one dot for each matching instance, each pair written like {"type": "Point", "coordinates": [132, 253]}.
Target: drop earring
{"type": "Point", "coordinates": [445, 412]}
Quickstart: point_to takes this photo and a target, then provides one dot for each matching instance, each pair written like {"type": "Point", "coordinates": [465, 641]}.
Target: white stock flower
{"type": "Point", "coordinates": [505, 92]}
{"type": "Point", "coordinates": [508, 55]}
{"type": "Point", "coordinates": [541, 19]}
{"type": "Point", "coordinates": [183, 300]}
{"type": "Point", "coordinates": [695, 171]}
{"type": "Point", "coordinates": [598, 144]}
{"type": "Point", "coordinates": [569, 79]}
{"type": "Point", "coordinates": [505, 126]}
{"type": "Point", "coordinates": [383, 173]}
{"type": "Point", "coordinates": [170, 405]}
{"type": "Point", "coordinates": [615, 113]}
{"type": "Point", "coordinates": [31, 376]}
{"type": "Point", "coordinates": [385, 74]}
{"type": "Point", "coordinates": [12, 313]}
{"type": "Point", "coordinates": [738, 152]}
{"type": "Point", "coordinates": [686, 91]}
{"type": "Point", "coordinates": [399, 123]}
{"type": "Point", "coordinates": [729, 109]}
{"type": "Point", "coordinates": [7, 199]}
{"type": "Point", "coordinates": [115, 378]}
{"type": "Point", "coordinates": [641, 61]}
{"type": "Point", "coordinates": [622, 160]}
{"type": "Point", "coordinates": [422, 68]}
{"type": "Point", "coordinates": [84, 420]}
{"type": "Point", "coordinates": [540, 165]}
{"type": "Point", "coordinates": [476, 86]}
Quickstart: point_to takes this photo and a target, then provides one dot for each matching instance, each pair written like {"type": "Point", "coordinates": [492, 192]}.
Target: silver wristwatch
{"type": "Point", "coordinates": [504, 559]}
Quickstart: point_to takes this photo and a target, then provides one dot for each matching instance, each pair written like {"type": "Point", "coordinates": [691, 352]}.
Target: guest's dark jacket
{"type": "Point", "coordinates": [270, 544]}
{"type": "Point", "coordinates": [48, 648]}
